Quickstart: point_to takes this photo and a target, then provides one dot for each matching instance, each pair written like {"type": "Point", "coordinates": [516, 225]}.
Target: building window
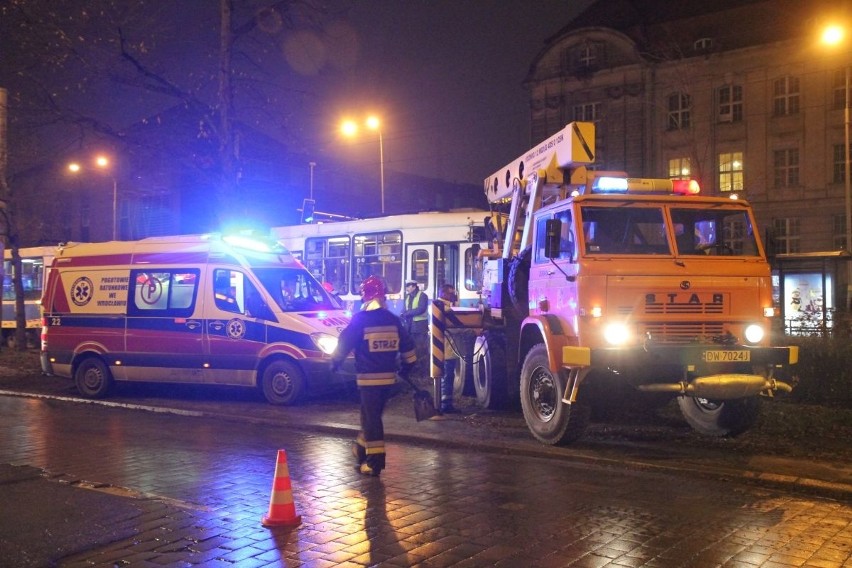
{"type": "Point", "coordinates": [588, 55]}
{"type": "Point", "coordinates": [787, 168]}
{"type": "Point", "coordinates": [730, 103]}
{"type": "Point", "coordinates": [731, 171]}
{"type": "Point", "coordinates": [786, 233]}
{"type": "Point", "coordinates": [588, 112]}
{"type": "Point", "coordinates": [679, 106]}
{"type": "Point", "coordinates": [839, 169]}
{"type": "Point", "coordinates": [839, 239]}
{"type": "Point", "coordinates": [680, 168]}
{"type": "Point", "coordinates": [838, 89]}
{"type": "Point", "coordinates": [703, 44]}
{"type": "Point", "coordinates": [786, 96]}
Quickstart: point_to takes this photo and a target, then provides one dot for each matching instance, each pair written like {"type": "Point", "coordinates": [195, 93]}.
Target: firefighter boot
{"type": "Point", "coordinates": [359, 452]}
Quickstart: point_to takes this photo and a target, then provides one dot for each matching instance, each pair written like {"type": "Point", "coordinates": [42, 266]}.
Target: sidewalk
{"type": "Point", "coordinates": [483, 430]}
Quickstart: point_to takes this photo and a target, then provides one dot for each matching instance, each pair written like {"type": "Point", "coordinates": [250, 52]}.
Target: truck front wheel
{"type": "Point", "coordinates": [549, 419]}
{"type": "Point", "coordinates": [283, 382]}
{"type": "Point", "coordinates": [719, 417]}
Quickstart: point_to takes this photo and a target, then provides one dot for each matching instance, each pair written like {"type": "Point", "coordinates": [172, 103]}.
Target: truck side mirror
{"type": "Point", "coordinates": [552, 238]}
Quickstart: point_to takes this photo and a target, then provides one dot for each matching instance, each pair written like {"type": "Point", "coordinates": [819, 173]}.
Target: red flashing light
{"type": "Point", "coordinates": [685, 187]}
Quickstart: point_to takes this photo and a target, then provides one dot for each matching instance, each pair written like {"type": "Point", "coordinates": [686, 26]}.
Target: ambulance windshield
{"type": "Point", "coordinates": [295, 290]}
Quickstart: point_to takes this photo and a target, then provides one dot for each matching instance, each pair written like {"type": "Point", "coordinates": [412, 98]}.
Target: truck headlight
{"type": "Point", "coordinates": [616, 334]}
{"type": "Point", "coordinates": [754, 333]}
{"type": "Point", "coordinates": [327, 343]}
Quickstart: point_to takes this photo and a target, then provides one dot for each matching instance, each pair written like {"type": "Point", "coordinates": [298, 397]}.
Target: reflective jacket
{"type": "Point", "coordinates": [377, 336]}
{"type": "Point", "coordinates": [416, 305]}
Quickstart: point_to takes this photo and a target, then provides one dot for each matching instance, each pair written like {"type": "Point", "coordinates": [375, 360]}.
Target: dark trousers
{"type": "Point", "coordinates": [372, 435]}
{"type": "Point", "coordinates": [447, 383]}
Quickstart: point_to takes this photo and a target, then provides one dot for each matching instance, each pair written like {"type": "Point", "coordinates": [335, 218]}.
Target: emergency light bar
{"type": "Point", "coordinates": [609, 184]}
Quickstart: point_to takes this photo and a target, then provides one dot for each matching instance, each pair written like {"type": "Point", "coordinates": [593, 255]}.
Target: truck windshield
{"type": "Point", "coordinates": [295, 290]}
{"type": "Point", "coordinates": [713, 231]}
{"type": "Point", "coordinates": [620, 230]}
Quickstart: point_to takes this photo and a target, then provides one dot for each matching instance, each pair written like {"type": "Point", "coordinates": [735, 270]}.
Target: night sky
{"type": "Point", "coordinates": [446, 76]}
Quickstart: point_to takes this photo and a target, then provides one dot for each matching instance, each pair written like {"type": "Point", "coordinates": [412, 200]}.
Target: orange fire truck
{"type": "Point", "coordinates": [592, 275]}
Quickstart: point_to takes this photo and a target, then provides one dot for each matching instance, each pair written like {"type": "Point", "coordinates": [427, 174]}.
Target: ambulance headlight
{"type": "Point", "coordinates": [327, 343]}
{"type": "Point", "coordinates": [616, 333]}
{"type": "Point", "coordinates": [754, 333]}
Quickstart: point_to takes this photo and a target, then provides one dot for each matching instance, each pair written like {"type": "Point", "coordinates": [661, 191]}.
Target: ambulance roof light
{"type": "Point", "coordinates": [240, 241]}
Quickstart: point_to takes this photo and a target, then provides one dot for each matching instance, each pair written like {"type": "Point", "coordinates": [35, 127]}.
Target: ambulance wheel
{"type": "Point", "coordinates": [719, 417]}
{"type": "Point", "coordinates": [93, 378]}
{"type": "Point", "coordinates": [549, 419]}
{"type": "Point", "coordinates": [283, 382]}
{"type": "Point", "coordinates": [490, 376]}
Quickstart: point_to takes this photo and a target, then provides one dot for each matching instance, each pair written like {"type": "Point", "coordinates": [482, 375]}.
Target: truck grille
{"type": "Point", "coordinates": [681, 332]}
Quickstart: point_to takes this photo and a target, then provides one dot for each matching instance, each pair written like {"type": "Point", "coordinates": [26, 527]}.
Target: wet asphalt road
{"type": "Point", "coordinates": [91, 485]}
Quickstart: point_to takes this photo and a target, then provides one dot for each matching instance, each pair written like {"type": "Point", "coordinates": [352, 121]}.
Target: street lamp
{"type": "Point", "coordinates": [103, 163]}
{"type": "Point", "coordinates": [350, 128]}
{"type": "Point", "coordinates": [834, 35]}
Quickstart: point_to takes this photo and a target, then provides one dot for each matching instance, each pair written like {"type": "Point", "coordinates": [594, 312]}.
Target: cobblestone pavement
{"type": "Point", "coordinates": [172, 490]}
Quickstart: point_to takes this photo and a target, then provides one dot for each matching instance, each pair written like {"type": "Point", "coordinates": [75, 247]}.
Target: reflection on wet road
{"type": "Point", "coordinates": [435, 506]}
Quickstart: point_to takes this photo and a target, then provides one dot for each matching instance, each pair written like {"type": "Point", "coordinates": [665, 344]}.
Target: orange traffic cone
{"type": "Point", "coordinates": [282, 511]}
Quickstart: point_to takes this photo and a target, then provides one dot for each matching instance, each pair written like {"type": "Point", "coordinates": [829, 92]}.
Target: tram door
{"type": "Point", "coordinates": [432, 265]}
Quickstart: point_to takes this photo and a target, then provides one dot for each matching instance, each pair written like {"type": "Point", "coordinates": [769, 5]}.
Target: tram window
{"type": "Point", "coordinates": [446, 265]}
{"type": "Point", "coordinates": [472, 269]}
{"type": "Point", "coordinates": [379, 254]}
{"type": "Point", "coordinates": [420, 267]}
{"type": "Point", "coordinates": [327, 259]}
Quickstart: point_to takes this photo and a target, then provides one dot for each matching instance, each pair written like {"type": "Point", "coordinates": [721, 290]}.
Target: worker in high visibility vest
{"type": "Point", "coordinates": [415, 317]}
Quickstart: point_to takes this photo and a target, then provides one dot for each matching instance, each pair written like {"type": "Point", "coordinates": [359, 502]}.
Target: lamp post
{"type": "Point", "coordinates": [350, 128]}
{"type": "Point", "coordinates": [834, 35]}
{"type": "Point", "coordinates": [102, 162]}
{"type": "Point", "coordinates": [312, 164]}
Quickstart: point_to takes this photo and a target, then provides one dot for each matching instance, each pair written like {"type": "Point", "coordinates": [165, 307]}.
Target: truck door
{"type": "Point", "coordinates": [549, 279]}
{"type": "Point", "coordinates": [234, 338]}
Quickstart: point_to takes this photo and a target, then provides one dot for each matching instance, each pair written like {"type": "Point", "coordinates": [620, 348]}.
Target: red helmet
{"type": "Point", "coordinates": [371, 288]}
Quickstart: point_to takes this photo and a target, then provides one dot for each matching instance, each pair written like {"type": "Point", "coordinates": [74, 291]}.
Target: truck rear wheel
{"type": "Point", "coordinates": [719, 417]}
{"type": "Point", "coordinates": [549, 419]}
{"type": "Point", "coordinates": [92, 378]}
{"type": "Point", "coordinates": [463, 384]}
{"type": "Point", "coordinates": [490, 376]}
{"type": "Point", "coordinates": [283, 383]}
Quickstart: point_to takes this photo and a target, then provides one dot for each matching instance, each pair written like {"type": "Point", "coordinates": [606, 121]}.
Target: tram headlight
{"type": "Point", "coordinates": [616, 334]}
{"type": "Point", "coordinates": [754, 333]}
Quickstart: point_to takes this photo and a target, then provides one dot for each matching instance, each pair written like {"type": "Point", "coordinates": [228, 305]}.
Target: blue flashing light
{"type": "Point", "coordinates": [240, 241]}
{"type": "Point", "coordinates": [608, 184]}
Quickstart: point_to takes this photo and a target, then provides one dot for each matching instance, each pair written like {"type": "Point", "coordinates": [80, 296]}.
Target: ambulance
{"type": "Point", "coordinates": [198, 309]}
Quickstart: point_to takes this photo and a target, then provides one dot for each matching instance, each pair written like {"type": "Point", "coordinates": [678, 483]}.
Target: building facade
{"type": "Point", "coordinates": [740, 95]}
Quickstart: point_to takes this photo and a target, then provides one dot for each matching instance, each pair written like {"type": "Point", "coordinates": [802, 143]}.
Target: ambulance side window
{"type": "Point", "coordinates": [166, 292]}
{"type": "Point", "coordinates": [234, 292]}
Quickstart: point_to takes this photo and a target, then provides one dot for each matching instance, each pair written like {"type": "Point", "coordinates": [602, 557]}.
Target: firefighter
{"type": "Point", "coordinates": [415, 317]}
{"type": "Point", "coordinates": [377, 336]}
{"type": "Point", "coordinates": [448, 297]}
